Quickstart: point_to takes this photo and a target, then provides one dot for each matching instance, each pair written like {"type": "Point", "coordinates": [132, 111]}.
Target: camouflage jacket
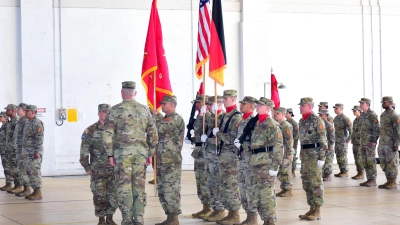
{"type": "Point", "coordinates": [330, 119]}
{"type": "Point", "coordinates": [10, 132]}
{"type": "Point", "coordinates": [390, 128]}
{"type": "Point", "coordinates": [295, 126]}
{"type": "Point", "coordinates": [267, 134]}
{"type": "Point", "coordinates": [228, 137]}
{"type": "Point", "coordinates": [356, 133]}
{"type": "Point", "coordinates": [32, 137]}
{"type": "Point", "coordinates": [330, 133]}
{"type": "Point", "coordinates": [312, 131]}
{"type": "Point", "coordinates": [198, 127]}
{"type": "Point", "coordinates": [171, 131]}
{"type": "Point", "coordinates": [343, 128]}
{"type": "Point", "coordinates": [92, 145]}
{"type": "Point", "coordinates": [369, 127]}
{"type": "Point", "coordinates": [3, 138]}
{"type": "Point", "coordinates": [287, 133]}
{"type": "Point", "coordinates": [130, 124]}
{"type": "Point", "coordinates": [246, 143]}
{"type": "Point", "coordinates": [210, 121]}
{"type": "Point", "coordinates": [19, 129]}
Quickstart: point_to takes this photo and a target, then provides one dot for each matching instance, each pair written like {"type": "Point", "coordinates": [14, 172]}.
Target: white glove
{"type": "Point", "coordinates": [215, 131]}
{"type": "Point", "coordinates": [237, 143]}
{"type": "Point", "coordinates": [214, 108]}
{"type": "Point", "coordinates": [203, 110]}
{"type": "Point", "coordinates": [273, 173]}
{"type": "Point", "coordinates": [203, 138]}
{"type": "Point", "coordinates": [187, 141]}
{"type": "Point", "coordinates": [320, 163]}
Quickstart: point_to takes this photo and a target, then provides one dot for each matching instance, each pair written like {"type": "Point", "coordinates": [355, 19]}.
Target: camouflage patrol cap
{"type": "Point", "coordinates": [281, 110]}
{"type": "Point", "coordinates": [338, 105]}
{"type": "Point", "coordinates": [387, 99]}
{"type": "Point", "coordinates": [356, 108]}
{"type": "Point", "coordinates": [31, 107]}
{"type": "Point", "coordinates": [266, 101]}
{"type": "Point", "coordinates": [129, 84]}
{"type": "Point", "coordinates": [290, 110]}
{"type": "Point", "coordinates": [323, 104]}
{"type": "Point", "coordinates": [323, 111]}
{"type": "Point", "coordinates": [248, 99]}
{"type": "Point", "coordinates": [229, 93]}
{"type": "Point", "coordinates": [365, 100]}
{"type": "Point", "coordinates": [11, 106]}
{"type": "Point", "coordinates": [104, 107]}
{"type": "Point", "coordinates": [3, 113]}
{"type": "Point", "coordinates": [22, 105]}
{"type": "Point", "coordinates": [211, 99]}
{"type": "Point", "coordinates": [199, 98]}
{"type": "Point", "coordinates": [168, 98]}
{"type": "Point", "coordinates": [306, 100]}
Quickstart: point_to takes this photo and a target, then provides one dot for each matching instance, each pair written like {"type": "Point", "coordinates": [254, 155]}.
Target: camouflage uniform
{"type": "Point", "coordinates": [356, 142]}
{"type": "Point", "coordinates": [266, 155]}
{"type": "Point", "coordinates": [10, 169]}
{"type": "Point", "coordinates": [343, 129]}
{"type": "Point", "coordinates": [295, 139]}
{"type": "Point", "coordinates": [169, 160]}
{"type": "Point", "coordinates": [330, 136]}
{"type": "Point", "coordinates": [325, 104]}
{"type": "Point", "coordinates": [4, 160]}
{"type": "Point", "coordinates": [17, 137]}
{"type": "Point", "coordinates": [102, 180]}
{"type": "Point", "coordinates": [130, 137]}
{"type": "Point", "coordinates": [285, 175]}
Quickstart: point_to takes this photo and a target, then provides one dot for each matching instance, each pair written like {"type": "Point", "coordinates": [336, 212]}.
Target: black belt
{"type": "Point", "coordinates": [264, 149]}
{"type": "Point", "coordinates": [315, 145]}
{"type": "Point", "coordinates": [199, 144]}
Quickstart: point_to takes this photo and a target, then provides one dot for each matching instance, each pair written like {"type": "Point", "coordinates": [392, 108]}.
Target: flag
{"type": "Point", "coordinates": [217, 44]}
{"type": "Point", "coordinates": [201, 89]}
{"type": "Point", "coordinates": [203, 37]}
{"type": "Point", "coordinates": [274, 91]}
{"type": "Point", "coordinates": [154, 60]}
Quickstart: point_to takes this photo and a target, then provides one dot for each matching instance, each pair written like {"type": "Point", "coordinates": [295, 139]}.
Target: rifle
{"type": "Point", "coordinates": [189, 126]}
{"type": "Point", "coordinates": [246, 134]}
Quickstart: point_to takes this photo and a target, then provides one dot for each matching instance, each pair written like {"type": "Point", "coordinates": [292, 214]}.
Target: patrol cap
{"type": "Point", "coordinates": [365, 100]}
{"type": "Point", "coordinates": [104, 107]}
{"type": "Point", "coordinates": [229, 93]}
{"type": "Point", "coordinates": [3, 113]}
{"type": "Point", "coordinates": [168, 98]}
{"type": "Point", "coordinates": [323, 112]}
{"type": "Point", "coordinates": [266, 101]}
{"type": "Point", "coordinates": [338, 105]}
{"type": "Point", "coordinates": [323, 104]}
{"type": "Point", "coordinates": [211, 99]}
{"type": "Point", "coordinates": [22, 105]}
{"type": "Point", "coordinates": [306, 100]}
{"type": "Point", "coordinates": [199, 98]}
{"type": "Point", "coordinates": [356, 108]}
{"type": "Point", "coordinates": [290, 110]}
{"type": "Point", "coordinates": [248, 99]}
{"type": "Point", "coordinates": [387, 99]}
{"type": "Point", "coordinates": [11, 106]}
{"type": "Point", "coordinates": [281, 110]}
{"type": "Point", "coordinates": [129, 84]}
{"type": "Point", "coordinates": [31, 107]}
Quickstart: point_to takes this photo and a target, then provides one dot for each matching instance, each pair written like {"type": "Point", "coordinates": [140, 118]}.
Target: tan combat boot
{"type": "Point", "coordinates": [206, 210]}
{"type": "Point", "coordinates": [327, 177]}
{"type": "Point", "coordinates": [217, 215]}
{"type": "Point", "coordinates": [279, 193]}
{"type": "Point", "coordinates": [266, 222]}
{"type": "Point", "coordinates": [36, 195]}
{"type": "Point", "coordinates": [316, 215]}
{"type": "Point", "coordinates": [109, 220]}
{"type": "Point", "coordinates": [392, 184]}
{"type": "Point", "coordinates": [235, 218]}
{"type": "Point", "coordinates": [383, 186]}
{"type": "Point", "coordinates": [16, 189]}
{"type": "Point", "coordinates": [342, 174]}
{"type": "Point", "coordinates": [287, 193]}
{"type": "Point", "coordinates": [311, 211]}
{"type": "Point", "coordinates": [251, 219]}
{"type": "Point", "coordinates": [172, 219]}
{"type": "Point", "coordinates": [102, 221]}
{"type": "Point", "coordinates": [7, 187]}
{"type": "Point", "coordinates": [25, 192]}
{"type": "Point", "coordinates": [294, 172]}
{"type": "Point", "coordinates": [151, 181]}
{"type": "Point", "coordinates": [370, 183]}
{"type": "Point", "coordinates": [358, 176]}
{"type": "Point", "coordinates": [225, 218]}
{"type": "Point", "coordinates": [244, 222]}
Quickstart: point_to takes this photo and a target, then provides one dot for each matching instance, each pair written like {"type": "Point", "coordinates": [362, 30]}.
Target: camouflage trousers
{"type": "Point", "coordinates": [328, 166]}
{"type": "Point", "coordinates": [102, 184]}
{"type": "Point", "coordinates": [358, 157]}
{"type": "Point", "coordinates": [285, 176]}
{"type": "Point", "coordinates": [201, 180]}
{"type": "Point", "coordinates": [389, 160]}
{"type": "Point", "coordinates": [368, 161]}
{"type": "Point", "coordinates": [311, 175]}
{"type": "Point", "coordinates": [294, 162]}
{"type": "Point", "coordinates": [341, 156]}
{"type": "Point", "coordinates": [169, 186]}
{"type": "Point", "coordinates": [21, 167]}
{"type": "Point", "coordinates": [214, 179]}
{"type": "Point", "coordinates": [264, 192]}
{"type": "Point", "coordinates": [229, 186]}
{"type": "Point", "coordinates": [9, 161]}
{"type": "Point", "coordinates": [130, 177]}
{"type": "Point", "coordinates": [245, 179]}
{"type": "Point", "coordinates": [33, 170]}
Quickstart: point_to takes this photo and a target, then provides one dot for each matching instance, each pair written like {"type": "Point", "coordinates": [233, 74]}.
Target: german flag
{"type": "Point", "coordinates": [217, 44]}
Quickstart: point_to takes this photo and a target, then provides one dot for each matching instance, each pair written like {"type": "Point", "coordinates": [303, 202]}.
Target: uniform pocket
{"type": "Point", "coordinates": [260, 159]}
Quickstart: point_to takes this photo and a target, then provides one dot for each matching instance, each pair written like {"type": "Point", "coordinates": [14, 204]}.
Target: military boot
{"type": "Point", "coordinates": [235, 218]}
{"type": "Point", "coordinates": [279, 193]}
{"type": "Point", "coordinates": [266, 222]}
{"type": "Point", "coordinates": [358, 176]}
{"type": "Point", "coordinates": [25, 192]}
{"type": "Point", "coordinates": [383, 186]}
{"type": "Point", "coordinates": [287, 193]}
{"type": "Point", "coordinates": [327, 177]}
{"type": "Point", "coordinates": [151, 181]}
{"type": "Point", "coordinates": [16, 189]}
{"type": "Point", "coordinates": [109, 220]}
{"type": "Point", "coordinates": [7, 187]}
{"type": "Point", "coordinates": [251, 219]}
{"type": "Point", "coordinates": [392, 184]}
{"type": "Point", "coordinates": [342, 174]}
{"type": "Point", "coordinates": [217, 215]}
{"type": "Point", "coordinates": [370, 183]}
{"type": "Point", "coordinates": [36, 195]}
{"type": "Point", "coordinates": [172, 219]}
{"type": "Point", "coordinates": [164, 222]}
{"type": "Point", "coordinates": [206, 210]}
{"type": "Point", "coordinates": [294, 172]}
{"type": "Point", "coordinates": [311, 211]}
{"type": "Point", "coordinates": [225, 218]}
{"type": "Point", "coordinates": [316, 215]}
{"type": "Point", "coordinates": [102, 221]}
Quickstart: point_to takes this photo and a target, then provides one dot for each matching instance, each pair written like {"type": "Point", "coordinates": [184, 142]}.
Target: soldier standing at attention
{"type": "Point", "coordinates": [102, 177]}
{"type": "Point", "coordinates": [330, 136]}
{"type": "Point", "coordinates": [171, 131]}
{"type": "Point", "coordinates": [389, 140]}
{"type": "Point", "coordinates": [313, 149]}
{"type": "Point", "coordinates": [4, 162]}
{"type": "Point", "coordinates": [356, 142]}
{"type": "Point", "coordinates": [369, 126]}
{"type": "Point", "coordinates": [289, 118]}
{"type": "Point", "coordinates": [324, 105]}
{"type": "Point", "coordinates": [284, 174]}
{"type": "Point", "coordinates": [130, 140]}
{"type": "Point", "coordinates": [343, 129]}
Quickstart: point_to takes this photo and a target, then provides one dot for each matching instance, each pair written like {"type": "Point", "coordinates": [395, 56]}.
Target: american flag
{"type": "Point", "coordinates": [203, 36]}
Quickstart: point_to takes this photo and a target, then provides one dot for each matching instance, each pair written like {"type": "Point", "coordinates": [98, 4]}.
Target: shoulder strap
{"type": "Point", "coordinates": [221, 143]}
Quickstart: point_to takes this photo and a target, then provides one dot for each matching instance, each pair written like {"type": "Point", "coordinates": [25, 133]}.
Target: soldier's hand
{"type": "Point", "coordinates": [203, 138]}
{"type": "Point", "coordinates": [36, 156]}
{"type": "Point", "coordinates": [214, 108]}
{"type": "Point", "coordinates": [237, 143]}
{"type": "Point", "coordinates": [149, 161]}
{"type": "Point", "coordinates": [187, 141]}
{"type": "Point", "coordinates": [203, 110]}
{"type": "Point", "coordinates": [89, 172]}
{"type": "Point", "coordinates": [272, 173]}
{"type": "Point", "coordinates": [215, 131]}
{"type": "Point", "coordinates": [320, 163]}
{"type": "Point", "coordinates": [395, 148]}
{"type": "Point", "coordinates": [372, 145]}
{"type": "Point", "coordinates": [111, 161]}
{"type": "Point", "coordinates": [330, 148]}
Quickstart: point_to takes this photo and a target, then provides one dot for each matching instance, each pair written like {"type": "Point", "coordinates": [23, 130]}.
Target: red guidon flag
{"type": "Point", "coordinates": [154, 60]}
{"type": "Point", "coordinates": [275, 92]}
{"type": "Point", "coordinates": [203, 37]}
{"type": "Point", "coordinates": [217, 44]}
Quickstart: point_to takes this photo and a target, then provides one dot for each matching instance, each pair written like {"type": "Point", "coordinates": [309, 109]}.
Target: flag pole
{"type": "Point", "coordinates": [204, 97]}
{"type": "Point", "coordinates": [155, 152]}
{"type": "Point", "coordinates": [216, 113]}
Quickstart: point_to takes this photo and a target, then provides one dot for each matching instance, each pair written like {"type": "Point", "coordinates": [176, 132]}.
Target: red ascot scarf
{"type": "Point", "coordinates": [219, 111]}
{"type": "Point", "coordinates": [305, 116]}
{"type": "Point", "coordinates": [229, 109]}
{"type": "Point", "coordinates": [262, 117]}
{"type": "Point", "coordinates": [246, 115]}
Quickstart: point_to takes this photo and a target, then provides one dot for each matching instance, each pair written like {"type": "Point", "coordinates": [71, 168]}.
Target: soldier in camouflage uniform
{"type": "Point", "coordinates": [343, 128]}
{"type": "Point", "coordinates": [171, 131]}
{"type": "Point", "coordinates": [32, 151]}
{"type": "Point", "coordinates": [289, 119]}
{"type": "Point", "coordinates": [356, 142]}
{"type": "Point", "coordinates": [102, 180]}
{"type": "Point", "coordinates": [312, 155]}
{"type": "Point", "coordinates": [389, 140]}
{"type": "Point", "coordinates": [10, 168]}
{"type": "Point", "coordinates": [4, 162]}
{"type": "Point", "coordinates": [285, 173]}
{"type": "Point", "coordinates": [369, 126]}
{"type": "Point", "coordinates": [130, 140]}
{"type": "Point", "coordinates": [330, 136]}
{"type": "Point", "coordinates": [322, 106]}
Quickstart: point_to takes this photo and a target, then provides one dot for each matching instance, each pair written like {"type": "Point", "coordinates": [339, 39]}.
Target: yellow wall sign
{"type": "Point", "coordinates": [72, 115]}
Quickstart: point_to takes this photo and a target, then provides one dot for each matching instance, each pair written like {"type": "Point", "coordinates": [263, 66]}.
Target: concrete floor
{"type": "Point", "coordinates": [68, 200]}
